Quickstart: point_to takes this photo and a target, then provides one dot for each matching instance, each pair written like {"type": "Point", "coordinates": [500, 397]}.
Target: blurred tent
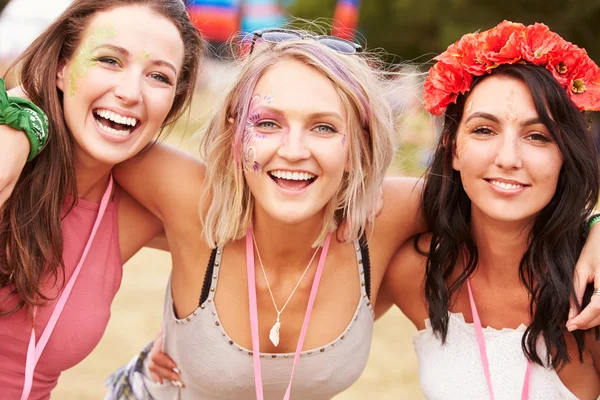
{"type": "Point", "coordinates": [22, 21]}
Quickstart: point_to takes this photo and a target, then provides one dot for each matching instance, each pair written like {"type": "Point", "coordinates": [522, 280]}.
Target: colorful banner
{"type": "Point", "coordinates": [345, 18]}
{"type": "Point", "coordinates": [261, 14]}
{"type": "Point", "coordinates": [218, 20]}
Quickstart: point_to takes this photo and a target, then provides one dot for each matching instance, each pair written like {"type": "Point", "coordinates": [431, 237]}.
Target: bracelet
{"type": "Point", "coordinates": [593, 219]}
{"type": "Point", "coordinates": [25, 116]}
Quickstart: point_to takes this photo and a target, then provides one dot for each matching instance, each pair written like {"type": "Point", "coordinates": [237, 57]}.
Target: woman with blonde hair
{"type": "Point", "coordinates": [303, 139]}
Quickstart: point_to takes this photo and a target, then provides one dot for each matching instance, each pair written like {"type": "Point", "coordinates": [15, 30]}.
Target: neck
{"type": "Point", "coordinates": [501, 246]}
{"type": "Point", "coordinates": [92, 177]}
{"type": "Point", "coordinates": [283, 246]}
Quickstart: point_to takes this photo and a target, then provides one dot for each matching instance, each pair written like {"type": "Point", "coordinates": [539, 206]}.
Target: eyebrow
{"type": "Point", "coordinates": [493, 118]}
{"type": "Point", "coordinates": [316, 115]}
{"type": "Point", "coordinates": [124, 52]}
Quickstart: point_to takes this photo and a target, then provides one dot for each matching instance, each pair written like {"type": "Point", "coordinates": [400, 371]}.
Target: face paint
{"type": "Point", "coordinates": [248, 153]}
{"type": "Point", "coordinates": [85, 60]}
{"type": "Point", "coordinates": [469, 105]}
{"type": "Point", "coordinates": [143, 56]}
{"type": "Point", "coordinates": [344, 139]}
{"type": "Point", "coordinates": [268, 99]}
{"type": "Point", "coordinates": [511, 109]}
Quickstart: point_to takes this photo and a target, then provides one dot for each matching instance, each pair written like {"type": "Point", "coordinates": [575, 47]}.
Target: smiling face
{"type": "Point", "coordinates": [295, 144]}
{"type": "Point", "coordinates": [509, 163]}
{"type": "Point", "coordinates": [120, 83]}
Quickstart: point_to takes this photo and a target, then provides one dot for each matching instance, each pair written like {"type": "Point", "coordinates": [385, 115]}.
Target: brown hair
{"type": "Point", "coordinates": [30, 220]}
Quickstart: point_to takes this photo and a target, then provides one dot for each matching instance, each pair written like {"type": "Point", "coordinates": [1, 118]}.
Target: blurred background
{"type": "Point", "coordinates": [411, 32]}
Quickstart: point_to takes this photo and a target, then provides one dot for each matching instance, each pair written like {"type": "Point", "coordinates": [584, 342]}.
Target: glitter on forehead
{"type": "Point", "coordinates": [511, 109]}
{"type": "Point", "coordinates": [469, 106]}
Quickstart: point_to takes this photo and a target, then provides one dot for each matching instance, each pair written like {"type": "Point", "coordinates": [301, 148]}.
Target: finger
{"type": "Point", "coordinates": [164, 373]}
{"type": "Point", "coordinates": [588, 317]}
{"type": "Point", "coordinates": [162, 360]}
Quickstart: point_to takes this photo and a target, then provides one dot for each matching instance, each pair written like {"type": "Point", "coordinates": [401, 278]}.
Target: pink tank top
{"type": "Point", "coordinates": [86, 313]}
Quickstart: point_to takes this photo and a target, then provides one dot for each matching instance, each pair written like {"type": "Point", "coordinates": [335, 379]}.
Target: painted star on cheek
{"type": "Point", "coordinates": [84, 60]}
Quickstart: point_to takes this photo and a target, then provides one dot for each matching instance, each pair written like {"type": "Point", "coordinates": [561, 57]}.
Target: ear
{"type": "Point", "coordinates": [61, 71]}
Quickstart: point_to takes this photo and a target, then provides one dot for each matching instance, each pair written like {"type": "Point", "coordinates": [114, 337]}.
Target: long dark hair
{"type": "Point", "coordinates": [557, 235]}
{"type": "Point", "coordinates": [30, 220]}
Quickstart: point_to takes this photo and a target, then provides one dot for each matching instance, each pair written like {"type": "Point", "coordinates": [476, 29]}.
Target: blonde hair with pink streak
{"type": "Point", "coordinates": [371, 128]}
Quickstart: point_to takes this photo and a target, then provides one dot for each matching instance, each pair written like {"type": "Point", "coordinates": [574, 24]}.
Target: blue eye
{"type": "Point", "coordinates": [266, 125]}
{"type": "Point", "coordinates": [325, 129]}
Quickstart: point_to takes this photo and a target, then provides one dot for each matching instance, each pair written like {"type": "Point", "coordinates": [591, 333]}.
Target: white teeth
{"type": "Point", "coordinates": [114, 131]}
{"type": "Point", "coordinates": [119, 119]}
{"type": "Point", "coordinates": [504, 185]}
{"type": "Point", "coordinates": [293, 176]}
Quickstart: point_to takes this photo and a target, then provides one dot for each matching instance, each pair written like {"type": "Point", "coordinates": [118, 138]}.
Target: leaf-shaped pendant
{"type": "Point", "coordinates": [274, 334]}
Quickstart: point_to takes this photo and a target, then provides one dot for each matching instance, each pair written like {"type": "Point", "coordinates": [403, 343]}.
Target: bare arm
{"type": "Point", "coordinates": [166, 181]}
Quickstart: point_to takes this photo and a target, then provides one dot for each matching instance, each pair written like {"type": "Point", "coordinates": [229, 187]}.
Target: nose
{"type": "Point", "coordinates": [508, 154]}
{"type": "Point", "coordinates": [128, 89]}
{"type": "Point", "coordinates": [292, 146]}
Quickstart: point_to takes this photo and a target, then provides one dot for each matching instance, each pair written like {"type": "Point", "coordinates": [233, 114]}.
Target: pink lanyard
{"type": "Point", "coordinates": [483, 352]}
{"type": "Point", "coordinates": [254, 312]}
{"type": "Point", "coordinates": [35, 351]}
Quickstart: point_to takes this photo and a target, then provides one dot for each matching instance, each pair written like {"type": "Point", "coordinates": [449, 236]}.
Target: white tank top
{"type": "Point", "coordinates": [454, 371]}
{"type": "Point", "coordinates": [214, 367]}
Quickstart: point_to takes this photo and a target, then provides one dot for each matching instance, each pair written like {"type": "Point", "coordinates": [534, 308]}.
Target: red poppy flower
{"type": "Point", "coordinates": [503, 44]}
{"type": "Point", "coordinates": [539, 43]}
{"type": "Point", "coordinates": [442, 86]}
{"type": "Point", "coordinates": [584, 88]}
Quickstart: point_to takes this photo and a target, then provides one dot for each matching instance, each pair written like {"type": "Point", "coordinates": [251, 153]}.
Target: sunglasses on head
{"type": "Point", "coordinates": [282, 35]}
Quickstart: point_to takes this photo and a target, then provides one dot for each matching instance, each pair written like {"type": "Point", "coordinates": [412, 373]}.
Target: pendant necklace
{"type": "Point", "coordinates": [274, 333]}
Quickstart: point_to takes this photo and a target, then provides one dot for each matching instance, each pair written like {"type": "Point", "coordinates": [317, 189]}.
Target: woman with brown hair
{"type": "Point", "coordinates": [110, 74]}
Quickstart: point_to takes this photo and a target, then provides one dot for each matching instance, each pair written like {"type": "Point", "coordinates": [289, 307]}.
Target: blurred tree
{"type": "Point", "coordinates": [419, 29]}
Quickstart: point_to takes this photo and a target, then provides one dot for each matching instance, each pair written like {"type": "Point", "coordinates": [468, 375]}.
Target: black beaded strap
{"type": "Point", "coordinates": [207, 277]}
{"type": "Point", "coordinates": [364, 251]}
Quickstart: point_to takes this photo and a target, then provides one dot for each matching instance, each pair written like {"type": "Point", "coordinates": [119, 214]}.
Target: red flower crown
{"type": "Point", "coordinates": [476, 54]}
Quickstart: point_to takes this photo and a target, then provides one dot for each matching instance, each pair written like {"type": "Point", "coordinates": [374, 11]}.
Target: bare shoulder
{"type": "Point", "coordinates": [404, 278]}
{"type": "Point", "coordinates": [165, 180]}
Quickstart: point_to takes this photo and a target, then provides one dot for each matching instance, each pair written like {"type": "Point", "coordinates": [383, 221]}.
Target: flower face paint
{"type": "Point", "coordinates": [84, 60]}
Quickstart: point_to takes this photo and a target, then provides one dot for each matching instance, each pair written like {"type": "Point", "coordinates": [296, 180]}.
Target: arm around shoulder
{"type": "Point", "coordinates": [163, 179]}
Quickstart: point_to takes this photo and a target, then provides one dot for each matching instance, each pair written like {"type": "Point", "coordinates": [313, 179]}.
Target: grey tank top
{"type": "Point", "coordinates": [214, 367]}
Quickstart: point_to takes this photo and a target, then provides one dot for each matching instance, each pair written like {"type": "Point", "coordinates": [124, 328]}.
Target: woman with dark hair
{"type": "Point", "coordinates": [513, 181]}
{"type": "Point", "coordinates": [110, 74]}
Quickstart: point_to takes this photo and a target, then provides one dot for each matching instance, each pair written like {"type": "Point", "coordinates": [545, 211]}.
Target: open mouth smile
{"type": "Point", "coordinates": [115, 124]}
